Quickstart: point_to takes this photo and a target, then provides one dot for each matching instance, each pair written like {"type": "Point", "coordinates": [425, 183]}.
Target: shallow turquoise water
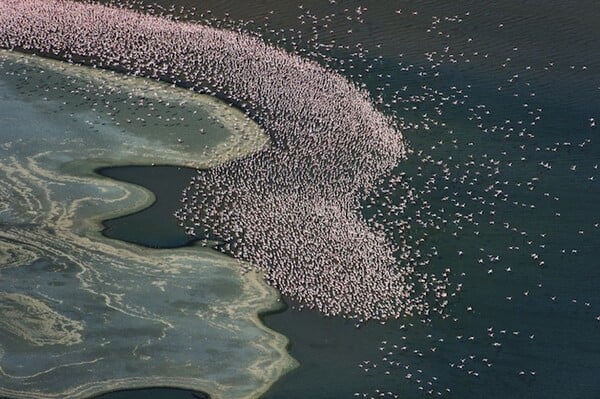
{"type": "Point", "coordinates": [83, 314]}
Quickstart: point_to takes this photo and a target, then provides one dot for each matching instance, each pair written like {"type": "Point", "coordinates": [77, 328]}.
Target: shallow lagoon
{"type": "Point", "coordinates": [90, 314]}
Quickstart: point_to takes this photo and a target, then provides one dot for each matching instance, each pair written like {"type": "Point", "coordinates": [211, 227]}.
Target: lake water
{"type": "Point", "coordinates": [84, 314]}
{"type": "Point", "coordinates": [499, 105]}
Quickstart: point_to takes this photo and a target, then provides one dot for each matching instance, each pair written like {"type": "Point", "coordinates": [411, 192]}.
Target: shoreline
{"type": "Point", "coordinates": [82, 228]}
{"type": "Point", "coordinates": [280, 306]}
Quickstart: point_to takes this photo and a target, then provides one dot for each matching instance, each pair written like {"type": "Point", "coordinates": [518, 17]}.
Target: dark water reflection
{"type": "Point", "coordinates": [154, 226]}
{"type": "Point", "coordinates": [154, 393]}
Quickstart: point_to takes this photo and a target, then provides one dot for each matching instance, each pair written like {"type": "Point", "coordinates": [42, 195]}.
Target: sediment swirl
{"type": "Point", "coordinates": [293, 210]}
{"type": "Point", "coordinates": [84, 314]}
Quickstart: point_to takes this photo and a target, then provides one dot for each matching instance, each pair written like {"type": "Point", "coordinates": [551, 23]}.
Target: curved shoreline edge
{"type": "Point", "coordinates": [330, 147]}
{"type": "Point", "coordinates": [79, 171]}
{"type": "Point", "coordinates": [279, 306]}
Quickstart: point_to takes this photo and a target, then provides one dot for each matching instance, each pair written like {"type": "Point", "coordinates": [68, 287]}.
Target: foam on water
{"type": "Point", "coordinates": [83, 314]}
{"type": "Point", "coordinates": [42, 326]}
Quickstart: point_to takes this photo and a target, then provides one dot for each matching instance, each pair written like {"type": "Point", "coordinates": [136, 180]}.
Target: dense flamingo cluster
{"type": "Point", "coordinates": [292, 210]}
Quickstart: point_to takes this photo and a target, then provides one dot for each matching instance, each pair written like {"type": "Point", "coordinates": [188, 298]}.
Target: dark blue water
{"type": "Point", "coordinates": [154, 226]}
{"type": "Point", "coordinates": [154, 393]}
{"type": "Point", "coordinates": [499, 103]}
